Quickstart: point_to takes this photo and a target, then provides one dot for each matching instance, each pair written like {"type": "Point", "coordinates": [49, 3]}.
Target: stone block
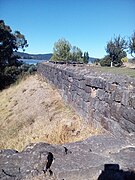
{"type": "Point", "coordinates": [128, 113]}
{"type": "Point", "coordinates": [103, 95]}
{"type": "Point", "coordinates": [96, 82]}
{"type": "Point", "coordinates": [70, 79]}
{"type": "Point", "coordinates": [125, 98]}
{"type": "Point", "coordinates": [116, 111]}
{"type": "Point", "coordinates": [132, 102]}
{"type": "Point", "coordinates": [117, 95]}
{"type": "Point", "coordinates": [86, 97]}
{"type": "Point", "coordinates": [87, 89]}
{"type": "Point", "coordinates": [110, 87]}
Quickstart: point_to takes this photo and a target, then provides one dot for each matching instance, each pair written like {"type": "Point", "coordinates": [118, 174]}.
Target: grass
{"type": "Point", "coordinates": [32, 111]}
{"type": "Point", "coordinates": [117, 70]}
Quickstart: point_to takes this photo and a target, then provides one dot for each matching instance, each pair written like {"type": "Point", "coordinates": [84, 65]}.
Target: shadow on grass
{"type": "Point", "coordinates": [113, 172]}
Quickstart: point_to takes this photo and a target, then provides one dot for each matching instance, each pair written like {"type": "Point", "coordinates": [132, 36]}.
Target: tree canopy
{"type": "Point", "coordinates": [61, 50]}
{"type": "Point", "coordinates": [9, 42]}
{"type": "Point", "coordinates": [116, 49]}
{"type": "Point", "coordinates": [64, 51]}
{"type": "Point", "coordinates": [132, 45]}
{"type": "Point", "coordinates": [76, 54]}
{"type": "Point", "coordinates": [10, 67]}
{"type": "Point", "coordinates": [86, 57]}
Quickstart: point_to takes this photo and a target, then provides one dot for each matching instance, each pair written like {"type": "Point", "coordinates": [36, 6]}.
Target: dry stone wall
{"type": "Point", "coordinates": [100, 98]}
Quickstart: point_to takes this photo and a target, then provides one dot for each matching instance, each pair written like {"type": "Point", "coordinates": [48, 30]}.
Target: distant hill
{"type": "Point", "coordinates": [92, 59]}
{"type": "Point", "coordinates": [33, 56]}
{"type": "Point", "coordinates": [42, 56]}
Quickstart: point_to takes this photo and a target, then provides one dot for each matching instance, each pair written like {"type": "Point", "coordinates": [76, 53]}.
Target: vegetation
{"type": "Point", "coordinates": [132, 45]}
{"type": "Point", "coordinates": [106, 61]}
{"type": "Point", "coordinates": [86, 57]}
{"type": "Point", "coordinates": [76, 54]}
{"type": "Point", "coordinates": [116, 50]}
{"type": "Point", "coordinates": [10, 68]}
{"type": "Point", "coordinates": [63, 51]}
{"type": "Point", "coordinates": [114, 70]}
{"type": "Point", "coordinates": [125, 59]}
{"type": "Point", "coordinates": [9, 42]}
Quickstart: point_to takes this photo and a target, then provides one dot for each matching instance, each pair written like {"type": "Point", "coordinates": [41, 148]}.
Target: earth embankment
{"type": "Point", "coordinates": [33, 111]}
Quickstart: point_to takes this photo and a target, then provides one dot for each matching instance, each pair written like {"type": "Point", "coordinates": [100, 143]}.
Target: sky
{"type": "Point", "coordinates": [87, 24]}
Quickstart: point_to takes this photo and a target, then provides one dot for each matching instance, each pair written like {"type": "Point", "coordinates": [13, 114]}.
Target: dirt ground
{"type": "Point", "coordinates": [33, 111]}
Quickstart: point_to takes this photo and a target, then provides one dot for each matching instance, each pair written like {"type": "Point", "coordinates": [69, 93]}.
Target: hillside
{"type": "Point", "coordinates": [33, 111]}
{"type": "Point", "coordinates": [34, 56]}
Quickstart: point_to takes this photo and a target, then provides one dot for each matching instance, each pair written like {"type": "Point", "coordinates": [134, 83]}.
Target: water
{"type": "Point", "coordinates": [35, 61]}
{"type": "Point", "coordinates": [31, 61]}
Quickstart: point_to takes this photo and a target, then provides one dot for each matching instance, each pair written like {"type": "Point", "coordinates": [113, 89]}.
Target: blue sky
{"type": "Point", "coordinates": [88, 24]}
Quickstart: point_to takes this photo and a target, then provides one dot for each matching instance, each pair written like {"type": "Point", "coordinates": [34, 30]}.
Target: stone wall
{"type": "Point", "coordinates": [100, 98]}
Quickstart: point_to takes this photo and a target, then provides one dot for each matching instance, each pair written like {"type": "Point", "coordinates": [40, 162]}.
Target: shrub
{"type": "Point", "coordinates": [32, 69]}
{"type": "Point", "coordinates": [11, 74]}
{"type": "Point", "coordinates": [125, 59]}
{"type": "Point", "coordinates": [106, 61]}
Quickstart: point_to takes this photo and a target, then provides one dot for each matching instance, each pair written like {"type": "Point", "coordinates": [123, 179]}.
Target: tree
{"type": "Point", "coordinates": [116, 50]}
{"type": "Point", "coordinates": [21, 42]}
{"type": "Point", "coordinates": [86, 57]}
{"type": "Point", "coordinates": [132, 45]}
{"type": "Point", "coordinates": [61, 51]}
{"type": "Point", "coordinates": [76, 54]}
{"type": "Point", "coordinates": [9, 66]}
{"type": "Point", "coordinates": [9, 42]}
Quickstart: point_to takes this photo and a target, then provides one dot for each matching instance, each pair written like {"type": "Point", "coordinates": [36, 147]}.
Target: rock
{"type": "Point", "coordinates": [80, 160]}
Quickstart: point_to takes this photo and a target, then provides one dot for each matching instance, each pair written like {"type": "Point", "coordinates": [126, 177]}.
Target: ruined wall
{"type": "Point", "coordinates": [100, 98]}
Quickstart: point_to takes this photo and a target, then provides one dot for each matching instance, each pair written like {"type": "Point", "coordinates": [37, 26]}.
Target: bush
{"type": "Point", "coordinates": [106, 61]}
{"type": "Point", "coordinates": [125, 59]}
{"type": "Point", "coordinates": [29, 69]}
{"type": "Point", "coordinates": [32, 69]}
{"type": "Point", "coordinates": [10, 74]}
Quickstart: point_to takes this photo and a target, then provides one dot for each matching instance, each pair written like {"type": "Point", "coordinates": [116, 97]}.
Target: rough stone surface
{"type": "Point", "coordinates": [100, 98]}
{"type": "Point", "coordinates": [81, 160]}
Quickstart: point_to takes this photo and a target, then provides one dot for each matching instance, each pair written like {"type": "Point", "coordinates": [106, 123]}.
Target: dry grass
{"type": "Point", "coordinates": [32, 111]}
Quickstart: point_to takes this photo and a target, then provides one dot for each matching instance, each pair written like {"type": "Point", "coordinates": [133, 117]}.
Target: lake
{"type": "Point", "coordinates": [35, 61]}
{"type": "Point", "coordinates": [31, 61]}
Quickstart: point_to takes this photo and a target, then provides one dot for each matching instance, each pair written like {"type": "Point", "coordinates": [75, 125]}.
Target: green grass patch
{"type": "Point", "coordinates": [118, 70]}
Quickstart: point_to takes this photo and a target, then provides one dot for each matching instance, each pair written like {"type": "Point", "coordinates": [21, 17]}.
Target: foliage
{"type": "Point", "coordinates": [116, 50]}
{"type": "Point", "coordinates": [61, 50]}
{"type": "Point", "coordinates": [12, 73]}
{"type": "Point", "coordinates": [106, 61]}
{"type": "Point", "coordinates": [125, 59]}
{"type": "Point", "coordinates": [86, 57]}
{"type": "Point", "coordinates": [10, 67]}
{"type": "Point", "coordinates": [28, 68]}
{"type": "Point", "coordinates": [76, 54]}
{"type": "Point", "coordinates": [64, 52]}
{"type": "Point", "coordinates": [9, 42]}
{"type": "Point", "coordinates": [132, 45]}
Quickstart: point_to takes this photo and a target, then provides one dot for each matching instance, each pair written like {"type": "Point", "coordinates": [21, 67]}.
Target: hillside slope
{"type": "Point", "coordinates": [33, 111]}
{"type": "Point", "coordinates": [33, 56]}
